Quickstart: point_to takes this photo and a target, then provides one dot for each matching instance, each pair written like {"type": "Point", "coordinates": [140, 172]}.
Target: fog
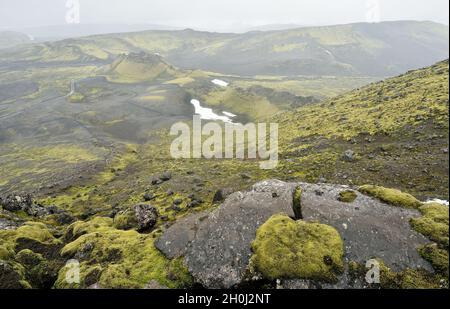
{"type": "Point", "coordinates": [214, 15]}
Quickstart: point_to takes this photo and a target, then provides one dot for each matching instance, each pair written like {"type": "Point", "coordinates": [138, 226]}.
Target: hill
{"type": "Point", "coordinates": [393, 132]}
{"type": "Point", "coordinates": [383, 49]}
{"type": "Point", "coordinates": [130, 203]}
{"type": "Point", "coordinates": [140, 67]}
{"type": "Point", "coordinates": [11, 39]}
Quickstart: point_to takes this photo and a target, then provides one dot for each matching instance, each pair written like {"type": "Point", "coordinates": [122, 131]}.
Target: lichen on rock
{"type": "Point", "coordinates": [288, 249]}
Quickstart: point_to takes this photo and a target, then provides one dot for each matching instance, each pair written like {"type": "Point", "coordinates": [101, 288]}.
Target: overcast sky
{"type": "Point", "coordinates": [224, 15]}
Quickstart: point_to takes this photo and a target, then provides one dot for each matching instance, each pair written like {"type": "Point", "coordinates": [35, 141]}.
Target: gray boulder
{"type": "Point", "coordinates": [216, 245]}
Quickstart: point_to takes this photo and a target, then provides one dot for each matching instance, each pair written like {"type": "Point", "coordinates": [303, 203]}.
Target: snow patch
{"type": "Point", "coordinates": [231, 115]}
{"type": "Point", "coordinates": [208, 114]}
{"type": "Point", "coordinates": [220, 83]}
{"type": "Point", "coordinates": [438, 201]}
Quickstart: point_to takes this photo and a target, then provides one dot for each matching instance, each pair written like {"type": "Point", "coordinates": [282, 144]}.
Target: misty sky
{"type": "Point", "coordinates": [226, 15]}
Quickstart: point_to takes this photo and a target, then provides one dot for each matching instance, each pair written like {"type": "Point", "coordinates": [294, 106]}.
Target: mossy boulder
{"type": "Point", "coordinates": [285, 249]}
{"type": "Point", "coordinates": [39, 272]}
{"type": "Point", "coordinates": [33, 252]}
{"type": "Point", "coordinates": [437, 257]}
{"type": "Point", "coordinates": [118, 259]}
{"type": "Point", "coordinates": [391, 196]}
{"type": "Point", "coordinates": [347, 196]}
{"type": "Point", "coordinates": [434, 223]}
{"type": "Point", "coordinates": [12, 276]}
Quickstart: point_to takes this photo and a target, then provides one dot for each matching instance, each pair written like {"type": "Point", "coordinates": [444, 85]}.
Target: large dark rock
{"type": "Point", "coordinates": [368, 227]}
{"type": "Point", "coordinates": [146, 216]}
{"type": "Point", "coordinates": [24, 203]}
{"type": "Point", "coordinates": [216, 245]}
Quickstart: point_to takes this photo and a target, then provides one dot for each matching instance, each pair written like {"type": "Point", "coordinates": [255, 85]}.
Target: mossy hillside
{"type": "Point", "coordinates": [122, 259]}
{"type": "Point", "coordinates": [136, 68]}
{"type": "Point", "coordinates": [241, 102]}
{"type": "Point", "coordinates": [81, 199]}
{"type": "Point", "coordinates": [383, 107]}
{"type": "Point", "coordinates": [320, 87]}
{"type": "Point", "coordinates": [391, 196]}
{"type": "Point", "coordinates": [285, 249]}
{"type": "Point", "coordinates": [35, 168]}
{"type": "Point", "coordinates": [397, 127]}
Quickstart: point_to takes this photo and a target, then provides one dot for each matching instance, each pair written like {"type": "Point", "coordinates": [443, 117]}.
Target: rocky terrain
{"type": "Point", "coordinates": [276, 235]}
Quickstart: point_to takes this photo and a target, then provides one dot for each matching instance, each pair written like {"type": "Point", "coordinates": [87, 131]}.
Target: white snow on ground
{"type": "Point", "coordinates": [231, 115]}
{"type": "Point", "coordinates": [436, 200]}
{"type": "Point", "coordinates": [220, 83]}
{"type": "Point", "coordinates": [207, 113]}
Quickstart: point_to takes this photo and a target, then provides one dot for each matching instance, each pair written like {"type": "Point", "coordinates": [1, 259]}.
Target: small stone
{"type": "Point", "coordinates": [349, 156]}
{"type": "Point", "coordinates": [245, 176]}
{"type": "Point", "coordinates": [178, 201]}
{"type": "Point", "coordinates": [166, 176]}
{"type": "Point", "coordinates": [148, 197]}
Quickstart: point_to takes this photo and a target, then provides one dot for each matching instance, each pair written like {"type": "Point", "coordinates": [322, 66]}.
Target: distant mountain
{"type": "Point", "coordinates": [383, 49]}
{"type": "Point", "coordinates": [11, 38]}
{"type": "Point", "coordinates": [139, 67]}
{"type": "Point", "coordinates": [58, 32]}
{"type": "Point", "coordinates": [274, 27]}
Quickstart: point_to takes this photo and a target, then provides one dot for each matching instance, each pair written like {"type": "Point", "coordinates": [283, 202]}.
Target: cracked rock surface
{"type": "Point", "coordinates": [216, 245]}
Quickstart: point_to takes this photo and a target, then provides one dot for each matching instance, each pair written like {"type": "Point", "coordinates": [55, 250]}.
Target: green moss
{"type": "Point", "coordinates": [391, 196]}
{"type": "Point", "coordinates": [27, 257]}
{"type": "Point", "coordinates": [408, 279]}
{"type": "Point", "coordinates": [30, 230]}
{"type": "Point", "coordinates": [285, 248]}
{"type": "Point", "coordinates": [348, 196]}
{"type": "Point", "coordinates": [125, 220]}
{"type": "Point", "coordinates": [33, 268]}
{"type": "Point", "coordinates": [97, 224]}
{"type": "Point", "coordinates": [89, 275]}
{"type": "Point", "coordinates": [437, 257]}
{"type": "Point", "coordinates": [76, 98]}
{"type": "Point", "coordinates": [127, 259]}
{"type": "Point", "coordinates": [434, 223]}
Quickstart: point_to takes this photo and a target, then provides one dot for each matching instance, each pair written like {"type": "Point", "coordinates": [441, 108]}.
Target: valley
{"type": "Point", "coordinates": [84, 133]}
